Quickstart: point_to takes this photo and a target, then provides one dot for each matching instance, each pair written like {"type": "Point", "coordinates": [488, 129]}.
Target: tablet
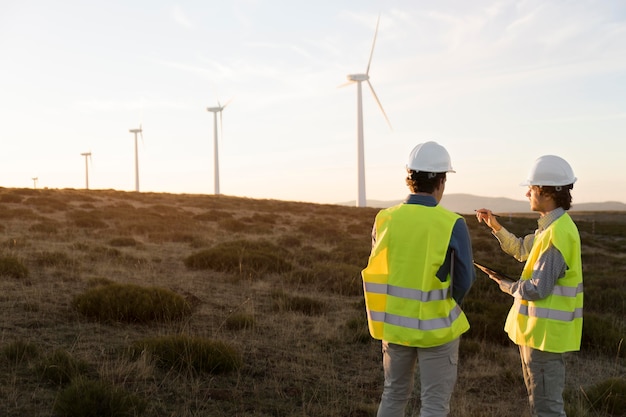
{"type": "Point", "coordinates": [490, 271]}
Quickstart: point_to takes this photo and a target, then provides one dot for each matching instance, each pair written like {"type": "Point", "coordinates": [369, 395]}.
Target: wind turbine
{"type": "Point", "coordinates": [216, 164]}
{"type": "Point", "coordinates": [35, 179]}
{"type": "Point", "coordinates": [358, 79]}
{"type": "Point", "coordinates": [135, 131]}
{"type": "Point", "coordinates": [86, 154]}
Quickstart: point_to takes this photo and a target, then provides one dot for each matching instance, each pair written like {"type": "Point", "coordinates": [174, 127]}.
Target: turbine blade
{"type": "Point", "coordinates": [227, 103]}
{"type": "Point", "coordinates": [346, 84]}
{"type": "Point", "coordinates": [379, 104]}
{"type": "Point", "coordinates": [373, 44]}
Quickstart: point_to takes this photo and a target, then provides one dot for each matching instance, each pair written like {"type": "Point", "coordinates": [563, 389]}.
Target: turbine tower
{"type": "Point", "coordinates": [86, 155]}
{"type": "Point", "coordinates": [216, 164]}
{"type": "Point", "coordinates": [35, 179]}
{"type": "Point", "coordinates": [136, 131]}
{"type": "Point", "coordinates": [358, 79]}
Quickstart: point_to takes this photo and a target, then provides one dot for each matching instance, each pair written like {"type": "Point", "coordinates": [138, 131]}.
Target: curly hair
{"type": "Point", "coordinates": [560, 194]}
{"type": "Point", "coordinates": [424, 182]}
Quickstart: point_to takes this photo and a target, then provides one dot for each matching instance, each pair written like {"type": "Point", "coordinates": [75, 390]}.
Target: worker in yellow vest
{"type": "Point", "coordinates": [546, 318]}
{"type": "Point", "coordinates": [418, 272]}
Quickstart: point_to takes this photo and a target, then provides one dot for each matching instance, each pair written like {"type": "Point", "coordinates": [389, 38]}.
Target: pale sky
{"type": "Point", "coordinates": [498, 83]}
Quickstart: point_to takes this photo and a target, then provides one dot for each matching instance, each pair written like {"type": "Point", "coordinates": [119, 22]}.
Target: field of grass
{"type": "Point", "coordinates": [141, 304]}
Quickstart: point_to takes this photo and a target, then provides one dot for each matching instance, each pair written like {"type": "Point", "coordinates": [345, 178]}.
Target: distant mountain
{"type": "Point", "coordinates": [467, 203]}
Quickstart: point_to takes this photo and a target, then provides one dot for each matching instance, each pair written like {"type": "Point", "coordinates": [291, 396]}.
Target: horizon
{"type": "Point", "coordinates": [495, 82]}
{"type": "Point", "coordinates": [446, 202]}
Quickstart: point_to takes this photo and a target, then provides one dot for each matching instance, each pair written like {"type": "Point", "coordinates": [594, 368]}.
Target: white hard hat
{"type": "Point", "coordinates": [430, 157]}
{"type": "Point", "coordinates": [550, 170]}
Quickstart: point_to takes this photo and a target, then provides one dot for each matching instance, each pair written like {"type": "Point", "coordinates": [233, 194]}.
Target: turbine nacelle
{"type": "Point", "coordinates": [135, 130]}
{"type": "Point", "coordinates": [215, 109]}
{"type": "Point", "coordinates": [358, 77]}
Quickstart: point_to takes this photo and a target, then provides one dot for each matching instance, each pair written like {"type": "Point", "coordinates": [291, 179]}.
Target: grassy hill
{"type": "Point", "coordinates": [193, 305]}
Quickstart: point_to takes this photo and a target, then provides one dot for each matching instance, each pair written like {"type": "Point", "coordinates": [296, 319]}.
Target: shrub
{"type": "Point", "coordinates": [20, 350]}
{"type": "Point", "coordinates": [12, 267]}
{"type": "Point", "coordinates": [53, 259]}
{"type": "Point", "coordinates": [123, 241]}
{"type": "Point", "coordinates": [86, 398]}
{"type": "Point", "coordinates": [47, 204]}
{"type": "Point", "coordinates": [323, 229]}
{"type": "Point", "coordinates": [357, 330]}
{"type": "Point", "coordinates": [213, 215]}
{"type": "Point", "coordinates": [338, 278]}
{"type": "Point", "coordinates": [609, 396]}
{"type": "Point", "coordinates": [299, 304]}
{"type": "Point", "coordinates": [131, 303]}
{"type": "Point", "coordinates": [239, 321]}
{"type": "Point", "coordinates": [600, 335]}
{"type": "Point", "coordinates": [60, 367]}
{"type": "Point", "coordinates": [185, 353]}
{"type": "Point", "coordinates": [606, 300]}
{"type": "Point", "coordinates": [241, 256]}
{"type": "Point", "coordinates": [19, 213]}
{"type": "Point", "coordinates": [10, 198]}
{"type": "Point", "coordinates": [290, 241]}
{"type": "Point", "coordinates": [353, 251]}
{"type": "Point", "coordinates": [487, 319]}
{"type": "Point", "coordinates": [87, 219]}
{"type": "Point", "coordinates": [232, 225]}
{"type": "Point", "coordinates": [47, 227]}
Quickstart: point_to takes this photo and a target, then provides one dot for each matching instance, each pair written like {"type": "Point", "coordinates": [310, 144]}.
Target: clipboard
{"type": "Point", "coordinates": [490, 271]}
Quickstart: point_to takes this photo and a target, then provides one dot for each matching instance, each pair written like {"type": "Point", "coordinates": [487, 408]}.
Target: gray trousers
{"type": "Point", "coordinates": [544, 376]}
{"type": "Point", "coordinates": [438, 373]}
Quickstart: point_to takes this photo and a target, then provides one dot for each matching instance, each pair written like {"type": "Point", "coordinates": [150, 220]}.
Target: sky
{"type": "Point", "coordinates": [498, 83]}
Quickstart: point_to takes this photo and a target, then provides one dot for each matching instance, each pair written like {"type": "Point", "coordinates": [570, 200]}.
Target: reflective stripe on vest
{"type": "Point", "coordinates": [548, 313]}
{"type": "Point", "coordinates": [414, 323]}
{"type": "Point", "coordinates": [409, 293]}
{"type": "Point", "coordinates": [568, 291]}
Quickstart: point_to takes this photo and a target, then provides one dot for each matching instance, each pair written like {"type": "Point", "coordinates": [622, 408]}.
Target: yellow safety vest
{"type": "Point", "coordinates": [405, 301]}
{"type": "Point", "coordinates": [553, 324]}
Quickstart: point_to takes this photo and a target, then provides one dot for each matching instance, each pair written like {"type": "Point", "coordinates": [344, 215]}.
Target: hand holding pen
{"type": "Point", "coordinates": [486, 216]}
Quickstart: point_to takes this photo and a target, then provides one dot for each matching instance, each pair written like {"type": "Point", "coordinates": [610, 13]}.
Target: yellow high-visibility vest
{"type": "Point", "coordinates": [553, 324]}
{"type": "Point", "coordinates": [405, 301]}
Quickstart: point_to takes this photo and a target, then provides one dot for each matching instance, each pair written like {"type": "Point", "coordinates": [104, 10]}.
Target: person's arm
{"type": "Point", "coordinates": [517, 247]}
{"type": "Point", "coordinates": [547, 270]}
{"type": "Point", "coordinates": [463, 272]}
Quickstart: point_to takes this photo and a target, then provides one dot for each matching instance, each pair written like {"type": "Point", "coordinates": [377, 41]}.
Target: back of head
{"type": "Point", "coordinates": [429, 157]}
{"type": "Point", "coordinates": [427, 167]}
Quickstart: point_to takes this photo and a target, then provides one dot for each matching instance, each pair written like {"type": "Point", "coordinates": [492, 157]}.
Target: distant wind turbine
{"type": "Point", "coordinates": [216, 163]}
{"type": "Point", "coordinates": [358, 79]}
{"type": "Point", "coordinates": [135, 131]}
{"type": "Point", "coordinates": [86, 155]}
{"type": "Point", "coordinates": [35, 179]}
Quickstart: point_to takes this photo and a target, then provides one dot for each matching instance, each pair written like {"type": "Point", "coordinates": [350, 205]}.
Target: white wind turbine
{"type": "Point", "coordinates": [216, 164]}
{"type": "Point", "coordinates": [136, 131]}
{"type": "Point", "coordinates": [358, 79]}
{"type": "Point", "coordinates": [86, 155]}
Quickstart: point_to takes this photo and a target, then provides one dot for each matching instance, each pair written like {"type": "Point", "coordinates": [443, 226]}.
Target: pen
{"type": "Point", "coordinates": [494, 215]}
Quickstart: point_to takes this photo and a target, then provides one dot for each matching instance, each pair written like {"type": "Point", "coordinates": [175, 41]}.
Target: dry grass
{"type": "Point", "coordinates": [278, 282]}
